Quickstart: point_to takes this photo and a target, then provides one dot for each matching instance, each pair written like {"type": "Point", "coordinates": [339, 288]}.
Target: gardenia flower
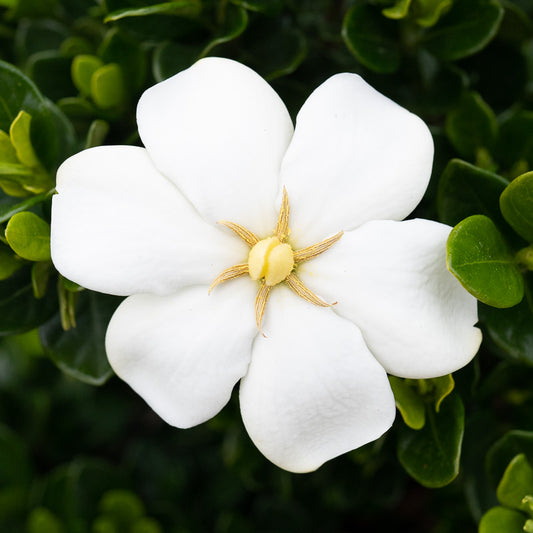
{"type": "Point", "coordinates": [253, 251]}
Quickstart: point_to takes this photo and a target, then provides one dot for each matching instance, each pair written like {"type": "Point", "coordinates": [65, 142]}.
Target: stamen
{"type": "Point", "coordinates": [245, 234]}
{"type": "Point", "coordinates": [282, 227]}
{"type": "Point", "coordinates": [229, 273]}
{"type": "Point", "coordinates": [316, 249]}
{"type": "Point", "coordinates": [260, 303]}
{"type": "Point", "coordinates": [303, 292]}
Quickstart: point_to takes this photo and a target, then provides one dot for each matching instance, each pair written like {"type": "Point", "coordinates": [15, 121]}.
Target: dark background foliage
{"type": "Point", "coordinates": [79, 451]}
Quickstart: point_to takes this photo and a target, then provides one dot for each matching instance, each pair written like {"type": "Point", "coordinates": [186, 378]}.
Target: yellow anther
{"type": "Point", "coordinates": [270, 259]}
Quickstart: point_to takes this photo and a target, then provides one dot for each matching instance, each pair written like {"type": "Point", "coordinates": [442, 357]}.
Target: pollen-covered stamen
{"type": "Point", "coordinates": [260, 303]}
{"type": "Point", "coordinates": [229, 273]}
{"type": "Point", "coordinates": [282, 227]}
{"type": "Point", "coordinates": [270, 259]}
{"type": "Point", "coordinates": [303, 292]}
{"type": "Point", "coordinates": [316, 249]}
{"type": "Point", "coordinates": [245, 234]}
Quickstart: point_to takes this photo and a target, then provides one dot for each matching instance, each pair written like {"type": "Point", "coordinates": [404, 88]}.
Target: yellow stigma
{"type": "Point", "coordinates": [270, 259]}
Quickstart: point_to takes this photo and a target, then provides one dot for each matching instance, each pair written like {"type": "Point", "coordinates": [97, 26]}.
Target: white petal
{"type": "Point", "coordinates": [355, 156]}
{"type": "Point", "coordinates": [313, 390]}
{"type": "Point", "coordinates": [390, 278]}
{"type": "Point", "coordinates": [184, 353]}
{"type": "Point", "coordinates": [219, 131]}
{"type": "Point", "coordinates": [120, 227]}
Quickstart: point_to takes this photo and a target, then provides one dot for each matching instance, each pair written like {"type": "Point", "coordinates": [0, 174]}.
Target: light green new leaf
{"type": "Point", "coordinates": [7, 151]}
{"type": "Point", "coordinates": [479, 258]}
{"type": "Point", "coordinates": [19, 132]}
{"type": "Point", "coordinates": [516, 483]}
{"type": "Point", "coordinates": [29, 236]}
{"type": "Point", "coordinates": [83, 68]}
{"type": "Point", "coordinates": [516, 204]}
{"type": "Point", "coordinates": [502, 520]}
{"type": "Point", "coordinates": [181, 7]}
{"type": "Point", "coordinates": [398, 11]}
{"type": "Point", "coordinates": [107, 86]}
{"type": "Point", "coordinates": [371, 38]}
{"type": "Point", "coordinates": [411, 406]}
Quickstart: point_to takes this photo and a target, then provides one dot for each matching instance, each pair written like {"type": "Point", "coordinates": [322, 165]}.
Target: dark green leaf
{"type": "Point", "coordinates": [234, 23]}
{"type": "Point", "coordinates": [29, 236]}
{"type": "Point", "coordinates": [6, 212]}
{"type": "Point", "coordinates": [14, 461]}
{"type": "Point", "coordinates": [465, 29]}
{"type": "Point", "coordinates": [80, 351]}
{"type": "Point", "coordinates": [170, 58]}
{"type": "Point", "coordinates": [270, 7]}
{"type": "Point", "coordinates": [466, 190]}
{"type": "Point", "coordinates": [500, 520]}
{"type": "Point", "coordinates": [515, 142]}
{"type": "Point", "coordinates": [516, 203]}
{"type": "Point", "coordinates": [431, 455]}
{"type": "Point", "coordinates": [371, 38]}
{"type": "Point", "coordinates": [471, 126]}
{"type": "Point", "coordinates": [502, 452]}
{"type": "Point", "coordinates": [179, 7]}
{"type": "Point", "coordinates": [9, 263]}
{"type": "Point", "coordinates": [19, 310]}
{"type": "Point", "coordinates": [479, 258]}
{"type": "Point", "coordinates": [98, 131]}
{"type": "Point", "coordinates": [51, 71]}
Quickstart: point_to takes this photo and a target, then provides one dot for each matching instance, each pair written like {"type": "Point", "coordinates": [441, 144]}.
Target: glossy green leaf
{"type": "Point", "coordinates": [52, 135]}
{"type": "Point", "coordinates": [516, 203]}
{"type": "Point", "coordinates": [502, 520]}
{"type": "Point", "coordinates": [19, 310]}
{"type": "Point", "coordinates": [29, 236]}
{"type": "Point", "coordinates": [179, 7]}
{"type": "Point", "coordinates": [440, 388]}
{"type": "Point", "coordinates": [466, 190]}
{"type": "Point", "coordinates": [431, 455]}
{"type": "Point", "coordinates": [516, 483]}
{"type": "Point", "coordinates": [504, 450]}
{"type": "Point", "coordinates": [471, 126]}
{"type": "Point", "coordinates": [107, 87]}
{"type": "Point", "coordinates": [465, 29]}
{"type": "Point", "coordinates": [411, 406]}
{"type": "Point", "coordinates": [83, 69]}
{"type": "Point", "coordinates": [371, 38]}
{"type": "Point", "coordinates": [479, 258]}
{"type": "Point", "coordinates": [80, 351]}
{"type": "Point", "coordinates": [171, 58]}
{"type": "Point", "coordinates": [19, 132]}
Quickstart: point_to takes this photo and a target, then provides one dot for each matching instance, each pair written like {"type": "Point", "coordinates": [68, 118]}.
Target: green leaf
{"type": "Point", "coordinates": [516, 203]}
{"type": "Point", "coordinates": [511, 330]}
{"type": "Point", "coordinates": [440, 388]}
{"type": "Point", "coordinates": [8, 211]}
{"type": "Point", "coordinates": [505, 449]}
{"type": "Point", "coordinates": [83, 69]}
{"type": "Point", "coordinates": [19, 132]}
{"type": "Point", "coordinates": [51, 71]}
{"type": "Point", "coordinates": [466, 29]}
{"type": "Point", "coordinates": [431, 455]}
{"type": "Point", "coordinates": [471, 126]}
{"type": "Point", "coordinates": [34, 8]}
{"type": "Point", "coordinates": [479, 258]}
{"type": "Point", "coordinates": [398, 11]}
{"type": "Point", "coordinates": [41, 520]}
{"type": "Point", "coordinates": [51, 134]}
{"type": "Point", "coordinates": [9, 263]}
{"type": "Point", "coordinates": [515, 142]}
{"type": "Point", "coordinates": [40, 274]}
{"type": "Point", "coordinates": [7, 150]}
{"type": "Point", "coordinates": [428, 12]}
{"type": "Point", "coordinates": [179, 7]}
{"type": "Point", "coordinates": [98, 131]}
{"type": "Point", "coordinates": [29, 236]}
{"type": "Point", "coordinates": [371, 38]}
{"type": "Point", "coordinates": [516, 483]}
{"type": "Point", "coordinates": [500, 520]}
{"type": "Point", "coordinates": [269, 7]}
{"type": "Point", "coordinates": [80, 351]}
{"type": "Point", "coordinates": [107, 87]}
{"type": "Point", "coordinates": [234, 23]}
{"type": "Point", "coordinates": [171, 58]}
{"type": "Point", "coordinates": [123, 507]}
{"type": "Point", "coordinates": [411, 406]}
{"type": "Point", "coordinates": [466, 190]}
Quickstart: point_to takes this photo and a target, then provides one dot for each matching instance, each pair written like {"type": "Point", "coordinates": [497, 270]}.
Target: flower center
{"type": "Point", "coordinates": [270, 259]}
{"type": "Point", "coordinates": [273, 261]}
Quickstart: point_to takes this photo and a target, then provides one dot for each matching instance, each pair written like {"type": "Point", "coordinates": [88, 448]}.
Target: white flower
{"type": "Point", "coordinates": [220, 146]}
